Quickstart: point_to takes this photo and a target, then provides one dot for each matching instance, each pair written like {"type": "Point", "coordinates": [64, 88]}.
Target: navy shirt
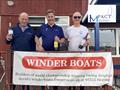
{"type": "Point", "coordinates": [23, 41]}
{"type": "Point", "coordinates": [48, 34]}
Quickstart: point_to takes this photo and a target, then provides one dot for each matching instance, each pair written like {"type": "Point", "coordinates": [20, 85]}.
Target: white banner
{"type": "Point", "coordinates": [62, 69]}
{"type": "Point", "coordinates": [102, 13]}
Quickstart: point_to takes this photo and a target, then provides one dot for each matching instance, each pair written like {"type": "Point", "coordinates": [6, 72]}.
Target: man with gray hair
{"type": "Point", "coordinates": [21, 37]}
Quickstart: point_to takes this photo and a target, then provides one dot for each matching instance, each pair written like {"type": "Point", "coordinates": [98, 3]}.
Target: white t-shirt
{"type": "Point", "coordinates": [75, 36]}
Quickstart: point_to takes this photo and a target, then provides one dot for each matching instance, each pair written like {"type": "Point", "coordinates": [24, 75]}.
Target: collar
{"type": "Point", "coordinates": [50, 26]}
{"type": "Point", "coordinates": [23, 28]}
{"type": "Point", "coordinates": [28, 25]}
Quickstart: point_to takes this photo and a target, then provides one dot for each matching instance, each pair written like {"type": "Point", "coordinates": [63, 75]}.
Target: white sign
{"type": "Point", "coordinates": [101, 13]}
{"type": "Point", "coordinates": [62, 69]}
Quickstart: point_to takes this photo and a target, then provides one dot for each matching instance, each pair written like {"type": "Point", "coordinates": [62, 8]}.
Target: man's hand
{"type": "Point", "coordinates": [87, 42]}
{"type": "Point", "coordinates": [62, 40]}
{"type": "Point", "coordinates": [39, 48]}
{"type": "Point", "coordinates": [9, 37]}
{"type": "Point", "coordinates": [57, 39]}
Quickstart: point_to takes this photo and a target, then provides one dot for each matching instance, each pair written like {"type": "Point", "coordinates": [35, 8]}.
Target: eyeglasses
{"type": "Point", "coordinates": [77, 17]}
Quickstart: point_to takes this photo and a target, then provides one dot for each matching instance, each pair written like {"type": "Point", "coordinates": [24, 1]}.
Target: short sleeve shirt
{"type": "Point", "coordinates": [75, 36]}
{"type": "Point", "coordinates": [47, 34]}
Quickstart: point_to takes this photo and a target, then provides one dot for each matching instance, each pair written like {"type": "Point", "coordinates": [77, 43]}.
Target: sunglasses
{"type": "Point", "coordinates": [77, 17]}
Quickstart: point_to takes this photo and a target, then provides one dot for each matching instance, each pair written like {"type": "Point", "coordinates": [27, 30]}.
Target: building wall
{"type": "Point", "coordinates": [0, 34]}
{"type": "Point", "coordinates": [36, 8]}
{"type": "Point", "coordinates": [5, 20]}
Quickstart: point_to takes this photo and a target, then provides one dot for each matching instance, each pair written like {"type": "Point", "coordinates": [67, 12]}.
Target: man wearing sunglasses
{"type": "Point", "coordinates": [77, 34]}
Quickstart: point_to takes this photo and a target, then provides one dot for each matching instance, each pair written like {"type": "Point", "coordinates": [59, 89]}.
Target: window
{"type": "Point", "coordinates": [36, 21]}
{"type": "Point", "coordinates": [107, 40]}
{"type": "Point", "coordinates": [62, 20]}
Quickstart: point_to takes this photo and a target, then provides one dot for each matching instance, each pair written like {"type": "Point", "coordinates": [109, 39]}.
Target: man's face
{"type": "Point", "coordinates": [50, 18]}
{"type": "Point", "coordinates": [76, 17]}
{"type": "Point", "coordinates": [23, 20]}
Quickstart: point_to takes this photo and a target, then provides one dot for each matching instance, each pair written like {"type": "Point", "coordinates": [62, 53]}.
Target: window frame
{"type": "Point", "coordinates": [117, 51]}
{"type": "Point", "coordinates": [45, 20]}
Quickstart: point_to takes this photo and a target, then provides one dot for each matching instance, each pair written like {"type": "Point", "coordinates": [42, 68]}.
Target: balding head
{"type": "Point", "coordinates": [23, 14]}
{"type": "Point", "coordinates": [23, 19]}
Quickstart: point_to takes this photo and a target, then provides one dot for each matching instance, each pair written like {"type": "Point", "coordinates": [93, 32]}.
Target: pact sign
{"type": "Point", "coordinates": [102, 13]}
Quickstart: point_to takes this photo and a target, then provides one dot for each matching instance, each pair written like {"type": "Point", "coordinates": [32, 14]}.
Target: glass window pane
{"type": "Point", "coordinates": [36, 21]}
{"type": "Point", "coordinates": [107, 41]}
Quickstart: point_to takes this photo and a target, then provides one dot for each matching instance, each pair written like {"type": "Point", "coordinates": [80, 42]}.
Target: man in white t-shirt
{"type": "Point", "coordinates": [77, 34]}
